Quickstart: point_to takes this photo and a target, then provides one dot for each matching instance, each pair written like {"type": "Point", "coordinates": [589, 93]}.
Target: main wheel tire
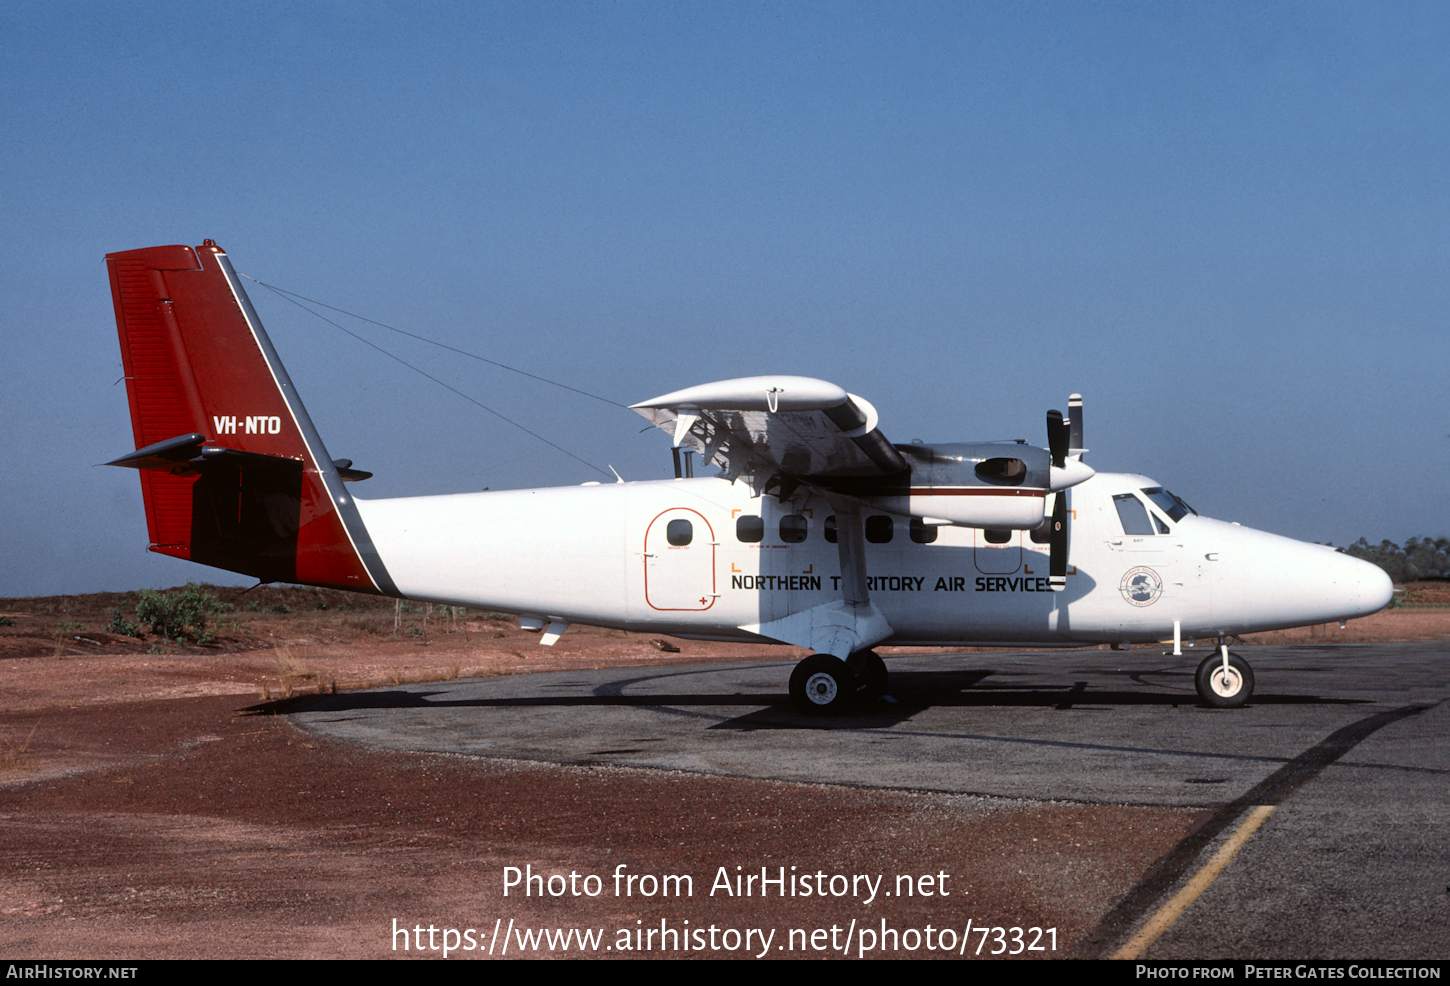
{"type": "Point", "coordinates": [822, 685]}
{"type": "Point", "coordinates": [871, 675]}
{"type": "Point", "coordinates": [1224, 689]}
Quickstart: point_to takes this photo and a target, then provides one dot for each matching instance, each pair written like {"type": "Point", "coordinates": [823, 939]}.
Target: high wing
{"type": "Point", "coordinates": [778, 431]}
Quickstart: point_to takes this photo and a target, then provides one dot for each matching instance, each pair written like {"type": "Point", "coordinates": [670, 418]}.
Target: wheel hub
{"type": "Point", "coordinates": [1226, 683]}
{"type": "Point", "coordinates": [821, 689]}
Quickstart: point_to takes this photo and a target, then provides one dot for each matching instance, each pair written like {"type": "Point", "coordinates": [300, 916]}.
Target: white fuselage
{"type": "Point", "coordinates": [602, 555]}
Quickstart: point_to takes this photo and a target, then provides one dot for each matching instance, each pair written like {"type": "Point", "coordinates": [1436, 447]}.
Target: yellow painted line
{"type": "Point", "coordinates": [1170, 912]}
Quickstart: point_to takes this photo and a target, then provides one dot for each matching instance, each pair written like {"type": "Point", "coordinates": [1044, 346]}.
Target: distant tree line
{"type": "Point", "coordinates": [1418, 559]}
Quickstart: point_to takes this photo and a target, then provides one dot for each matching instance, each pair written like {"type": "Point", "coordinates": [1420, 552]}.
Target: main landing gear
{"type": "Point", "coordinates": [826, 685]}
{"type": "Point", "coordinates": [1224, 680]}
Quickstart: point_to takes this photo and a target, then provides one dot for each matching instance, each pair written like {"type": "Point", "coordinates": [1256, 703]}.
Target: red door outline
{"type": "Point", "coordinates": [707, 599]}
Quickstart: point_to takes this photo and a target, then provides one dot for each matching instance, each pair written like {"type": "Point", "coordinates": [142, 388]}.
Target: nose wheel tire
{"type": "Point", "coordinates": [822, 685]}
{"type": "Point", "coordinates": [1224, 689]}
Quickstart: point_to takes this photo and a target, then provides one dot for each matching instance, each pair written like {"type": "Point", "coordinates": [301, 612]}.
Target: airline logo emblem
{"type": "Point", "coordinates": [1141, 586]}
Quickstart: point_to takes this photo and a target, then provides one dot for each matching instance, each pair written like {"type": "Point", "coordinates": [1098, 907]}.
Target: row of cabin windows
{"type": "Point", "coordinates": [880, 529]}
{"type": "Point", "coordinates": [793, 528]}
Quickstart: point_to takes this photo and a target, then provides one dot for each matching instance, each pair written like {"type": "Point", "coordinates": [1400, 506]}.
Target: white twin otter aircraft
{"type": "Point", "coordinates": [816, 532]}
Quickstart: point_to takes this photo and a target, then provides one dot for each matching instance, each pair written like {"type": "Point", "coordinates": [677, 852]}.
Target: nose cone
{"type": "Point", "coordinates": [1352, 586]}
{"type": "Point", "coordinates": [1375, 589]}
{"type": "Point", "coordinates": [1267, 582]}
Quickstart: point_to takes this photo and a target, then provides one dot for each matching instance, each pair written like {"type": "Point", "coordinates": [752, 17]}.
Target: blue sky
{"type": "Point", "coordinates": [1225, 225]}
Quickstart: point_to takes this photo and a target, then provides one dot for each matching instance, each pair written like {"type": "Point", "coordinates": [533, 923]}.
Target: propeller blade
{"type": "Point", "coordinates": [1057, 560]}
{"type": "Point", "coordinates": [1064, 437]}
{"type": "Point", "coordinates": [1074, 420]}
{"type": "Point", "coordinates": [1057, 438]}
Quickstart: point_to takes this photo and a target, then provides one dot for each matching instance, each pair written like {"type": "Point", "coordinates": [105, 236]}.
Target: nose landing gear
{"type": "Point", "coordinates": [1224, 680]}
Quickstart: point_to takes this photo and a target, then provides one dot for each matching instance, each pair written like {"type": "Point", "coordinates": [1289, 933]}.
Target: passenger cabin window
{"type": "Point", "coordinates": [749, 528]}
{"type": "Point", "coordinates": [922, 532]}
{"type": "Point", "coordinates": [1133, 514]}
{"type": "Point", "coordinates": [793, 528]}
{"type": "Point", "coordinates": [879, 530]}
{"type": "Point", "coordinates": [679, 533]}
{"type": "Point", "coordinates": [996, 537]}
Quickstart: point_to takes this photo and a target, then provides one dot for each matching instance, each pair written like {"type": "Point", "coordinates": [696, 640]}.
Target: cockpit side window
{"type": "Point", "coordinates": [1162, 527]}
{"type": "Point", "coordinates": [1133, 514]}
{"type": "Point", "coordinates": [1171, 505]}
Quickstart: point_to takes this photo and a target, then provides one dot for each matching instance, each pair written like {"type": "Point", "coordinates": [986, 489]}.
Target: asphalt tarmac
{"type": "Point", "coordinates": [1340, 759]}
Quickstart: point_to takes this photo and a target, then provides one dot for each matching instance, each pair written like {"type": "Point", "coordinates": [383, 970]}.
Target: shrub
{"type": "Point", "coordinates": [121, 625]}
{"type": "Point", "coordinates": [179, 614]}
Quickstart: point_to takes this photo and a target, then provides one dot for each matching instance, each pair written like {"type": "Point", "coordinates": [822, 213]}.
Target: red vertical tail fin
{"type": "Point", "coordinates": [232, 471]}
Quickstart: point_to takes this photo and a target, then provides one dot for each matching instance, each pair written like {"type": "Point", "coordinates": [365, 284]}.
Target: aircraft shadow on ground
{"type": "Point", "coordinates": [912, 691]}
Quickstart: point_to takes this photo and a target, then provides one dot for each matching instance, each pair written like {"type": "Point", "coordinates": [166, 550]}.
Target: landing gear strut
{"type": "Point", "coordinates": [1224, 680]}
{"type": "Point", "coordinates": [826, 685]}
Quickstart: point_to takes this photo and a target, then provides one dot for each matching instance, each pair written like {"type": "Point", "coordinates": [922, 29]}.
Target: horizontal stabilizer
{"type": "Point", "coordinates": [165, 455]}
{"type": "Point", "coordinates": [347, 473]}
{"type": "Point", "coordinates": [189, 454]}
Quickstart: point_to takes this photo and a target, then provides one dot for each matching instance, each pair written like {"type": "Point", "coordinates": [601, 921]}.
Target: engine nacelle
{"type": "Point", "coordinates": [1000, 485]}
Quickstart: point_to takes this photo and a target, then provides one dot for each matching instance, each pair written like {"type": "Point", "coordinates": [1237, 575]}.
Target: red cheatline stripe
{"type": "Point", "coordinates": [973, 491]}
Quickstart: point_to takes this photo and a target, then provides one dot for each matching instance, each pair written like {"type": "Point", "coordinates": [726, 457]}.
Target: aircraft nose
{"type": "Point", "coordinates": [1271, 580]}
{"type": "Point", "coordinates": [1375, 589]}
{"type": "Point", "coordinates": [1358, 587]}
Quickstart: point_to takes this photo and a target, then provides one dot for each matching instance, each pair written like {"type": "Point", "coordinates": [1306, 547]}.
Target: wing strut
{"type": "Point", "coordinates": [848, 625]}
{"type": "Point", "coordinates": [851, 549]}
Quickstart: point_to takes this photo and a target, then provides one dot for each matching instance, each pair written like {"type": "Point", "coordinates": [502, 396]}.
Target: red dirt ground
{"type": "Point", "coordinates": [153, 806]}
